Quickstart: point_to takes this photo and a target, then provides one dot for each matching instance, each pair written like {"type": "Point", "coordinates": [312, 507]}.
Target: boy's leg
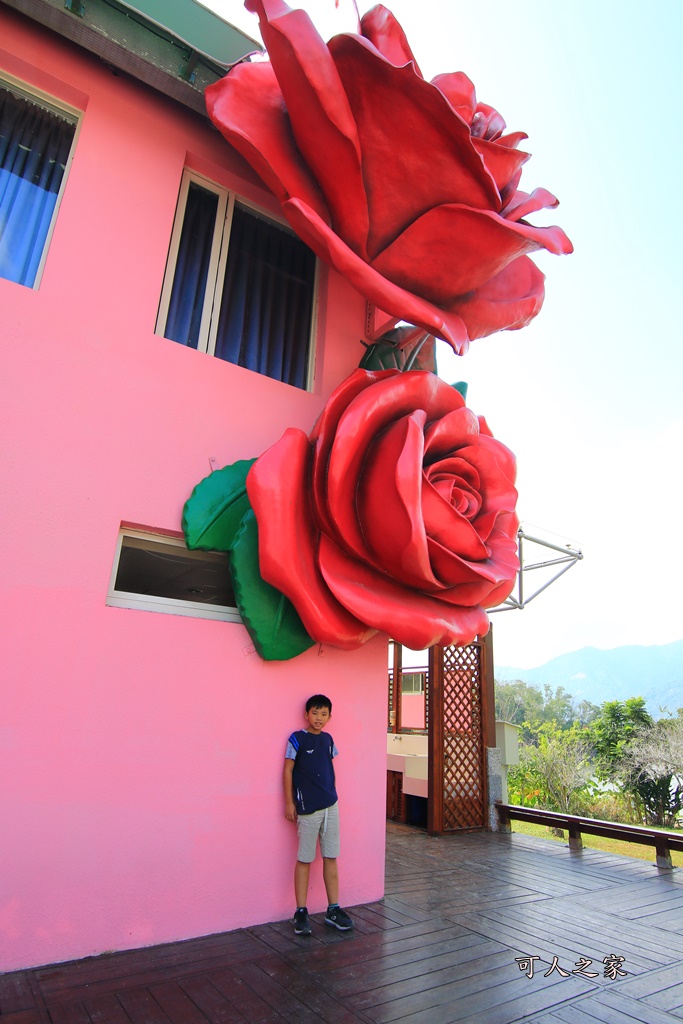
{"type": "Point", "coordinates": [302, 873]}
{"type": "Point", "coordinates": [329, 848]}
{"type": "Point", "coordinates": [331, 880]}
{"type": "Point", "coordinates": [307, 832]}
{"type": "Point", "coordinates": [335, 916]}
{"type": "Point", "coordinates": [302, 925]}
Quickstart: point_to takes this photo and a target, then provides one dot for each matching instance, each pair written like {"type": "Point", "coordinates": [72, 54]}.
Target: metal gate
{"type": "Point", "coordinates": [460, 720]}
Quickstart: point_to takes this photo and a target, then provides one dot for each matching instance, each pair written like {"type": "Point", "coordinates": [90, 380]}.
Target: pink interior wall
{"type": "Point", "coordinates": [141, 753]}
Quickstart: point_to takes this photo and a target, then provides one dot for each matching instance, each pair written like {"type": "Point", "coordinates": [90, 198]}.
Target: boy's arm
{"type": "Point", "coordinates": [290, 808]}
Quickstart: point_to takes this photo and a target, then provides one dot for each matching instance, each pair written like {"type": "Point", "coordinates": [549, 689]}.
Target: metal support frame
{"type": "Point", "coordinates": [569, 557]}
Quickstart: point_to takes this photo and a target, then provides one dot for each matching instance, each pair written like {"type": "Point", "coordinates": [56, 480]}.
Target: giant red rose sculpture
{"type": "Point", "coordinates": [408, 188]}
{"type": "Point", "coordinates": [396, 514]}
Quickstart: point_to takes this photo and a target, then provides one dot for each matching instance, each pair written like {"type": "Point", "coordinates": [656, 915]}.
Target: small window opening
{"type": "Point", "coordinates": [155, 572]}
{"type": "Point", "coordinates": [413, 682]}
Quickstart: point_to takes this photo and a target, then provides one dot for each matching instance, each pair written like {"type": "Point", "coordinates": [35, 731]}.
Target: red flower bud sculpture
{"type": "Point", "coordinates": [408, 188]}
{"type": "Point", "coordinates": [396, 514]}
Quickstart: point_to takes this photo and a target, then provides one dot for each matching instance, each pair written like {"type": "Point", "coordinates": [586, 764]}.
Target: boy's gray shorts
{"type": "Point", "coordinates": [321, 824]}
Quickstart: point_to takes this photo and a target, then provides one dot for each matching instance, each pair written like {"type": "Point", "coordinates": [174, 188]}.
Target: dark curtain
{"type": "Point", "coordinates": [189, 283]}
{"type": "Point", "coordinates": [34, 149]}
{"type": "Point", "coordinates": [267, 302]}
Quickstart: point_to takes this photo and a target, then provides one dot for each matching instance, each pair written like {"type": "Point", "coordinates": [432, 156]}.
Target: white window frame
{"type": "Point", "coordinates": [218, 259]}
{"type": "Point", "coordinates": [149, 602]}
{"type": "Point", "coordinates": [25, 91]}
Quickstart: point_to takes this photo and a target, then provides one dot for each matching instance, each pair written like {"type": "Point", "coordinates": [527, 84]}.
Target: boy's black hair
{"type": "Point", "coordinates": [318, 700]}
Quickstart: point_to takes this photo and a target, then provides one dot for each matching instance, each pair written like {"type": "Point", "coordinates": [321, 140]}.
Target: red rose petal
{"type": "Point", "coordinates": [246, 106]}
{"type": "Point", "coordinates": [458, 482]}
{"type": "Point", "coordinates": [512, 140]}
{"type": "Point", "coordinates": [459, 472]}
{"type": "Point", "coordinates": [449, 433]}
{"type": "Point", "coordinates": [503, 162]}
{"type": "Point", "coordinates": [364, 419]}
{"type": "Point", "coordinates": [497, 489]}
{"type": "Point", "coordinates": [322, 123]}
{"type": "Point", "coordinates": [323, 434]}
{"type": "Point", "coordinates": [461, 584]}
{"type": "Point", "coordinates": [522, 204]}
{"type": "Point", "coordinates": [500, 593]}
{"type": "Point", "coordinates": [383, 30]}
{"type": "Point", "coordinates": [390, 106]}
{"type": "Point", "coordinates": [388, 503]}
{"type": "Point", "coordinates": [487, 123]}
{"type": "Point", "coordinates": [278, 492]}
{"type": "Point", "coordinates": [453, 571]}
{"type": "Point", "coordinates": [474, 582]}
{"type": "Point", "coordinates": [508, 301]}
{"type": "Point", "coordinates": [459, 91]}
{"type": "Point", "coordinates": [505, 459]}
{"type": "Point", "coordinates": [386, 295]}
{"type": "Point", "coordinates": [485, 429]}
{"type": "Point", "coordinates": [453, 249]}
{"type": "Point", "coordinates": [416, 620]}
{"type": "Point", "coordinates": [451, 529]}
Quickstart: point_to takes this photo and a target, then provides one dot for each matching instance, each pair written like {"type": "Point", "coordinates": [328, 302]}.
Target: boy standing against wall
{"type": "Point", "coordinates": [311, 801]}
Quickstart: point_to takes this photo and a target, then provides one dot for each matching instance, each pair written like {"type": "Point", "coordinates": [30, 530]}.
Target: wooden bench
{"type": "Point", "coordinates": [663, 842]}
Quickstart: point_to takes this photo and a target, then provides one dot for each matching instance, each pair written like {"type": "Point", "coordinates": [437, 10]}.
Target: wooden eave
{"type": "Point", "coordinates": [127, 41]}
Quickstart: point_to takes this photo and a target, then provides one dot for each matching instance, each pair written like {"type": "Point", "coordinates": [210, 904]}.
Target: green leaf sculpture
{"type": "Point", "coordinates": [273, 622]}
{"type": "Point", "coordinates": [214, 511]}
{"type": "Point", "coordinates": [218, 517]}
{"type": "Point", "coordinates": [401, 348]}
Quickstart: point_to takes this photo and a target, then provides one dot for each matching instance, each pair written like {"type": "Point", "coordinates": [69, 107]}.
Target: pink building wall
{"type": "Point", "coordinates": [413, 711]}
{"type": "Point", "coordinates": [141, 753]}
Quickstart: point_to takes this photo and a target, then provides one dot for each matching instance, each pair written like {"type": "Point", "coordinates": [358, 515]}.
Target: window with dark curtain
{"type": "Point", "coordinates": [267, 302]}
{"type": "Point", "coordinates": [266, 306]}
{"type": "Point", "coordinates": [34, 150]}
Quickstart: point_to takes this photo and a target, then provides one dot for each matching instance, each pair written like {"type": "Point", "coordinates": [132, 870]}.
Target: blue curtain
{"type": "Point", "coordinates": [267, 302]}
{"type": "Point", "coordinates": [34, 149]}
{"type": "Point", "coordinates": [194, 251]}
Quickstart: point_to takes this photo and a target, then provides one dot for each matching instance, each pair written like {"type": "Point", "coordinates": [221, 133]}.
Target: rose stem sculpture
{"type": "Point", "coordinates": [408, 188]}
{"type": "Point", "coordinates": [397, 513]}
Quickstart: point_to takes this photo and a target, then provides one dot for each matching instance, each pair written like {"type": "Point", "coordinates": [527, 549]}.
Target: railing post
{"type": "Point", "coordinates": [504, 821]}
{"type": "Point", "coordinates": [575, 839]}
{"type": "Point", "coordinates": [663, 856]}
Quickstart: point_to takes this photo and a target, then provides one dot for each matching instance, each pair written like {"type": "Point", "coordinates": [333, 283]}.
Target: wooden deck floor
{"type": "Point", "coordinates": [441, 947]}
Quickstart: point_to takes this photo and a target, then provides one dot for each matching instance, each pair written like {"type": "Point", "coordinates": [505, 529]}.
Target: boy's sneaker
{"type": "Point", "coordinates": [338, 918]}
{"type": "Point", "coordinates": [302, 925]}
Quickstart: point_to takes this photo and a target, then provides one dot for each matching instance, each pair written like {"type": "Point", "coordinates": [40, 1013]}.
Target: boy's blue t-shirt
{"type": "Point", "coordinates": [313, 775]}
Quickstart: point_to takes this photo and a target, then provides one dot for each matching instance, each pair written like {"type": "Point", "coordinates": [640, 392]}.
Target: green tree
{"type": "Point", "coordinates": [644, 758]}
{"type": "Point", "coordinates": [555, 773]}
{"type": "Point", "coordinates": [652, 766]}
{"type": "Point", "coordinates": [585, 712]}
{"type": "Point", "coordinates": [530, 707]}
{"type": "Point", "coordinates": [517, 702]}
{"type": "Point", "coordinates": [558, 706]}
{"type": "Point", "coordinates": [612, 731]}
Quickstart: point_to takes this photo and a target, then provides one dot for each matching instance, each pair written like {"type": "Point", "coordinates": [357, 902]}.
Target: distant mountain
{"type": "Point", "coordinates": [655, 673]}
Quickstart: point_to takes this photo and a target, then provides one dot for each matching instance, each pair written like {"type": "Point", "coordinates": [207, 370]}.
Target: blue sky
{"type": "Point", "coordinates": [589, 397]}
